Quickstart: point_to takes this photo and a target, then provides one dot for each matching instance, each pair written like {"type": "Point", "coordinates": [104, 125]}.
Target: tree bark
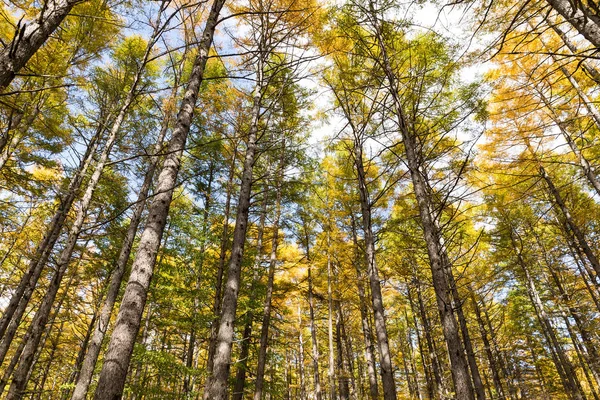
{"type": "Point", "coordinates": [385, 360]}
{"type": "Point", "coordinates": [266, 319]}
{"type": "Point", "coordinates": [216, 387]}
{"type": "Point", "coordinates": [29, 37]}
{"type": "Point", "coordinates": [364, 315]}
{"type": "Point", "coordinates": [118, 355]}
{"type": "Point", "coordinates": [586, 23]}
{"type": "Point", "coordinates": [20, 299]}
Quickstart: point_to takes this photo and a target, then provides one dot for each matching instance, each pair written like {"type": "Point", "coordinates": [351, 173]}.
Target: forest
{"type": "Point", "coordinates": [300, 199]}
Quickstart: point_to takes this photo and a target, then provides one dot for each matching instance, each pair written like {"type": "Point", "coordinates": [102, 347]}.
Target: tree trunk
{"type": "Point", "coordinates": [29, 37]}
{"type": "Point", "coordinates": [364, 316]}
{"type": "Point", "coordinates": [313, 332]}
{"type": "Point", "coordinates": [585, 21]}
{"type": "Point", "coordinates": [342, 372]}
{"type": "Point", "coordinates": [118, 355]}
{"type": "Point", "coordinates": [488, 348]}
{"type": "Point", "coordinates": [435, 250]}
{"type": "Point", "coordinates": [385, 360]}
{"type": "Point", "coordinates": [216, 387]}
{"type": "Point", "coordinates": [41, 317]}
{"type": "Point", "coordinates": [581, 240]}
{"type": "Point", "coordinates": [20, 299]}
{"type": "Point", "coordinates": [562, 363]}
{"type": "Point", "coordinates": [331, 364]}
{"type": "Point", "coordinates": [212, 343]}
{"type": "Point", "coordinates": [91, 356]}
{"type": "Point", "coordinates": [590, 69]}
{"type": "Point", "coordinates": [266, 320]}
{"type": "Point", "coordinates": [240, 376]}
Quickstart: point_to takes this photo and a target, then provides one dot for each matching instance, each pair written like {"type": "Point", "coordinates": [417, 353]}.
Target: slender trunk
{"type": "Point", "coordinates": [579, 236]}
{"type": "Point", "coordinates": [349, 354]}
{"type": "Point", "coordinates": [212, 342]}
{"type": "Point", "coordinates": [591, 70]}
{"type": "Point", "coordinates": [331, 364]}
{"type": "Point", "coordinates": [488, 348]}
{"type": "Point", "coordinates": [20, 299]}
{"type": "Point", "coordinates": [41, 317]}
{"type": "Point", "coordinates": [266, 320]}
{"type": "Point", "coordinates": [240, 376]}
{"type": "Point", "coordinates": [477, 383]}
{"type": "Point", "coordinates": [435, 250]}
{"type": "Point", "coordinates": [216, 387]}
{"type": "Point", "coordinates": [385, 360]}
{"type": "Point", "coordinates": [301, 379]}
{"type": "Point", "coordinates": [584, 20]}
{"type": "Point", "coordinates": [29, 37]}
{"type": "Point", "coordinates": [562, 363]}
{"type": "Point", "coordinates": [364, 316]}
{"type": "Point", "coordinates": [313, 333]}
{"type": "Point", "coordinates": [118, 355]}
{"type": "Point", "coordinates": [91, 356]}
{"type": "Point", "coordinates": [188, 382]}
{"type": "Point", "coordinates": [342, 372]}
{"type": "Point", "coordinates": [431, 390]}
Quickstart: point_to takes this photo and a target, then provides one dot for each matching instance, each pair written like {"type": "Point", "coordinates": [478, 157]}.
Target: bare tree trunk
{"type": "Point", "coordinates": [364, 315]}
{"type": "Point", "coordinates": [591, 70]}
{"type": "Point", "coordinates": [385, 360]}
{"type": "Point", "coordinates": [435, 249]}
{"type": "Point", "coordinates": [41, 317]}
{"type": "Point", "coordinates": [562, 363]}
{"type": "Point", "coordinates": [212, 343]}
{"type": "Point", "coordinates": [342, 372]}
{"type": "Point", "coordinates": [240, 376]}
{"type": "Point", "coordinates": [91, 356]}
{"type": "Point", "coordinates": [216, 387]}
{"type": "Point", "coordinates": [266, 320]}
{"type": "Point", "coordinates": [20, 299]}
{"type": "Point", "coordinates": [118, 355]}
{"type": "Point", "coordinates": [313, 333]}
{"type": "Point", "coordinates": [29, 37]}
{"type": "Point", "coordinates": [301, 379]}
{"type": "Point", "coordinates": [585, 21]}
{"type": "Point", "coordinates": [581, 240]}
{"type": "Point", "coordinates": [488, 348]}
{"type": "Point", "coordinates": [331, 364]}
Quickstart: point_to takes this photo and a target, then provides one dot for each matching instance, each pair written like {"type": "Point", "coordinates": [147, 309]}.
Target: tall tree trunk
{"type": "Point", "coordinates": [313, 333]}
{"type": "Point", "coordinates": [240, 376]}
{"type": "Point", "coordinates": [364, 316]}
{"type": "Point", "coordinates": [331, 364]}
{"type": "Point", "coordinates": [477, 383]}
{"type": "Point", "coordinates": [435, 250]}
{"type": "Point", "coordinates": [91, 356]}
{"type": "Point", "coordinates": [571, 225]}
{"type": "Point", "coordinates": [562, 363]}
{"type": "Point", "coordinates": [301, 380]}
{"type": "Point", "coordinates": [385, 360]}
{"type": "Point", "coordinates": [118, 355]}
{"type": "Point", "coordinates": [266, 318]}
{"type": "Point", "coordinates": [590, 69]}
{"type": "Point", "coordinates": [216, 387]}
{"type": "Point", "coordinates": [342, 372]}
{"type": "Point", "coordinates": [188, 381]}
{"type": "Point", "coordinates": [488, 348]}
{"type": "Point", "coordinates": [586, 23]}
{"type": "Point", "coordinates": [20, 299]}
{"type": "Point", "coordinates": [212, 342]}
{"type": "Point", "coordinates": [29, 37]}
{"type": "Point", "coordinates": [40, 319]}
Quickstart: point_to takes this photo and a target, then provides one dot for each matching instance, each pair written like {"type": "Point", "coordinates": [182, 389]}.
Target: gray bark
{"type": "Point", "coordinates": [266, 318]}
{"type": "Point", "coordinates": [101, 326]}
{"type": "Point", "coordinates": [585, 21]}
{"type": "Point", "coordinates": [29, 37]}
{"type": "Point", "coordinates": [118, 355]}
{"type": "Point", "coordinates": [216, 387]}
